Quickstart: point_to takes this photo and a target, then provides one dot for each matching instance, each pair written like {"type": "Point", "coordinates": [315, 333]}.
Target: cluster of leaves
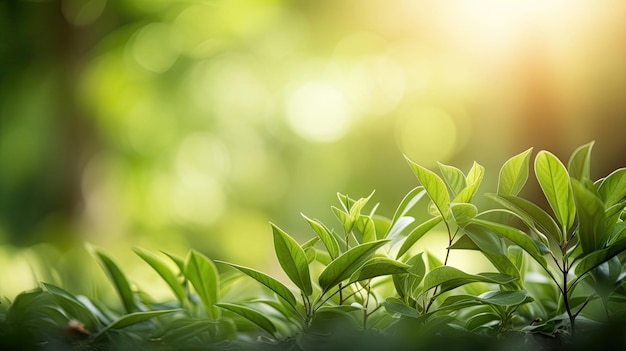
{"type": "Point", "coordinates": [558, 276]}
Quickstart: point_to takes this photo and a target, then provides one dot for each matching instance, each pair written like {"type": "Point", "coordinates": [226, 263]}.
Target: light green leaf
{"type": "Point", "coordinates": [365, 224]}
{"type": "Point", "coordinates": [355, 209]}
{"type": "Point", "coordinates": [407, 203]}
{"type": "Point", "coordinates": [325, 235]}
{"type": "Point", "coordinates": [131, 319]}
{"type": "Point", "coordinates": [164, 271]}
{"type": "Point", "coordinates": [454, 177]}
{"type": "Point", "coordinates": [345, 265]}
{"type": "Point", "coordinates": [435, 188]}
{"type": "Point", "coordinates": [449, 278]}
{"type": "Point", "coordinates": [473, 179]}
{"type": "Point", "coordinates": [273, 284]}
{"type": "Point", "coordinates": [613, 187]}
{"type": "Point", "coordinates": [532, 215]}
{"type": "Point", "coordinates": [463, 213]}
{"type": "Point", "coordinates": [592, 231]}
{"type": "Point", "coordinates": [555, 184]}
{"type": "Point", "coordinates": [580, 162]}
{"type": "Point", "coordinates": [514, 174]}
{"type": "Point", "coordinates": [251, 315]}
{"type": "Point", "coordinates": [343, 218]}
{"type": "Point", "coordinates": [407, 284]}
{"type": "Point", "coordinates": [417, 233]}
{"type": "Point", "coordinates": [119, 281]}
{"type": "Point", "coordinates": [293, 260]}
{"type": "Point", "coordinates": [203, 274]}
{"type": "Point", "coordinates": [517, 236]}
{"type": "Point", "coordinates": [492, 247]}
{"type": "Point", "coordinates": [378, 266]}
{"type": "Point", "coordinates": [596, 258]}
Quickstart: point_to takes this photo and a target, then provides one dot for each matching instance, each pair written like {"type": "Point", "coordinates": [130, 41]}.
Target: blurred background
{"type": "Point", "coordinates": [192, 124]}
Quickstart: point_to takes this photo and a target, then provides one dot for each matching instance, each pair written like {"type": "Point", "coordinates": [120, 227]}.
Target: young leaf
{"type": "Point", "coordinates": [417, 233]}
{"type": "Point", "coordinates": [273, 284]}
{"type": "Point", "coordinates": [435, 188]}
{"type": "Point", "coordinates": [378, 266]}
{"type": "Point", "coordinates": [343, 266]}
{"type": "Point", "coordinates": [555, 184]}
{"type": "Point", "coordinates": [325, 235]}
{"type": "Point", "coordinates": [463, 213]}
{"type": "Point", "coordinates": [203, 274]}
{"type": "Point", "coordinates": [454, 177]}
{"type": "Point", "coordinates": [592, 231]}
{"type": "Point", "coordinates": [407, 203]}
{"type": "Point", "coordinates": [514, 174]}
{"type": "Point", "coordinates": [164, 271]}
{"type": "Point", "coordinates": [449, 278]}
{"type": "Point", "coordinates": [407, 284]}
{"type": "Point", "coordinates": [119, 281]}
{"type": "Point", "coordinates": [580, 161]}
{"type": "Point", "coordinates": [132, 318]}
{"type": "Point", "coordinates": [344, 218]}
{"type": "Point", "coordinates": [365, 224]}
{"type": "Point", "coordinates": [251, 315]}
{"type": "Point", "coordinates": [613, 187]}
{"type": "Point", "coordinates": [474, 178]}
{"type": "Point", "coordinates": [293, 260]}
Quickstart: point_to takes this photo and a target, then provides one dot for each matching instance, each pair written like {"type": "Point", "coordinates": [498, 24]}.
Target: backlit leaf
{"type": "Point", "coordinates": [580, 162]}
{"type": "Point", "coordinates": [454, 177]}
{"type": "Point", "coordinates": [119, 281]}
{"type": "Point", "coordinates": [613, 187]}
{"type": "Point", "coordinates": [164, 271]}
{"type": "Point", "coordinates": [473, 179]}
{"type": "Point", "coordinates": [379, 266]}
{"type": "Point", "coordinates": [325, 235]}
{"type": "Point", "coordinates": [203, 274]}
{"type": "Point", "coordinates": [555, 184]}
{"type": "Point", "coordinates": [417, 233]}
{"type": "Point", "coordinates": [514, 174]}
{"type": "Point", "coordinates": [435, 188]}
{"type": "Point", "coordinates": [292, 259]}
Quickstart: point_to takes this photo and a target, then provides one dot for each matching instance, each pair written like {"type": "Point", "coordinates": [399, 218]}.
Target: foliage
{"type": "Point", "coordinates": [557, 279]}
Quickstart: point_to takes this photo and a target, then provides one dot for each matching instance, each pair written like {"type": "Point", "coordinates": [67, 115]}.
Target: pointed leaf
{"type": "Point", "coordinates": [325, 235]}
{"type": "Point", "coordinates": [131, 319]}
{"type": "Point", "coordinates": [514, 174]}
{"type": "Point", "coordinates": [72, 306]}
{"type": "Point", "coordinates": [345, 265]}
{"type": "Point", "coordinates": [119, 281]}
{"type": "Point", "coordinates": [407, 203]}
{"type": "Point", "coordinates": [473, 179]}
{"type": "Point", "coordinates": [164, 271]}
{"type": "Point", "coordinates": [251, 315]}
{"type": "Point", "coordinates": [454, 177]}
{"type": "Point", "coordinates": [555, 184]}
{"type": "Point", "coordinates": [613, 187]}
{"type": "Point", "coordinates": [598, 257]}
{"type": "Point", "coordinates": [592, 232]}
{"type": "Point", "coordinates": [434, 186]}
{"type": "Point", "coordinates": [365, 224]}
{"type": "Point", "coordinates": [417, 233]}
{"type": "Point", "coordinates": [343, 218]}
{"type": "Point", "coordinates": [463, 213]}
{"type": "Point", "coordinates": [203, 274]}
{"type": "Point", "coordinates": [580, 162]}
{"type": "Point", "coordinates": [395, 305]}
{"type": "Point", "coordinates": [379, 266]}
{"type": "Point", "coordinates": [292, 259]}
{"type": "Point", "coordinates": [273, 284]}
{"type": "Point", "coordinates": [449, 278]}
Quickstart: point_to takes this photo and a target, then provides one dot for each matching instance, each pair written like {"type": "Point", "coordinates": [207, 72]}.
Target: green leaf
{"type": "Point", "coordinates": [483, 319]}
{"type": "Point", "coordinates": [344, 219]}
{"type": "Point", "coordinates": [164, 271]}
{"type": "Point", "coordinates": [180, 262]}
{"type": "Point", "coordinates": [407, 284]}
{"type": "Point", "coordinates": [613, 187]}
{"type": "Point", "coordinates": [454, 177]}
{"type": "Point", "coordinates": [345, 265]}
{"type": "Point", "coordinates": [514, 174]}
{"type": "Point", "coordinates": [463, 213]}
{"type": "Point", "coordinates": [407, 203]}
{"type": "Point", "coordinates": [504, 298]}
{"type": "Point", "coordinates": [435, 188]}
{"type": "Point", "coordinates": [417, 233]}
{"type": "Point", "coordinates": [251, 315]}
{"type": "Point", "coordinates": [598, 257]}
{"type": "Point", "coordinates": [517, 236]}
{"type": "Point", "coordinates": [355, 209]}
{"type": "Point", "coordinates": [119, 281]}
{"type": "Point", "coordinates": [532, 215]}
{"type": "Point", "coordinates": [276, 286]}
{"type": "Point", "coordinates": [473, 179]}
{"type": "Point", "coordinates": [131, 319]}
{"type": "Point", "coordinates": [365, 224]}
{"type": "Point", "coordinates": [555, 184]}
{"type": "Point", "coordinates": [395, 305]}
{"type": "Point", "coordinates": [293, 260]}
{"type": "Point", "coordinates": [592, 231]}
{"type": "Point", "coordinates": [449, 278]}
{"type": "Point", "coordinates": [72, 306]}
{"type": "Point", "coordinates": [492, 247]}
{"type": "Point", "coordinates": [580, 162]}
{"type": "Point", "coordinates": [378, 266]}
{"type": "Point", "coordinates": [203, 274]}
{"type": "Point", "coordinates": [325, 236]}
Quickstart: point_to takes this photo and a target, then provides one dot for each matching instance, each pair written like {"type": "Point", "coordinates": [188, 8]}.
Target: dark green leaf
{"type": "Point", "coordinates": [130, 319]}
{"type": "Point", "coordinates": [251, 315]}
{"type": "Point", "coordinates": [514, 174]}
{"type": "Point", "coordinates": [72, 306]}
{"type": "Point", "coordinates": [598, 257]}
{"type": "Point", "coordinates": [203, 274]}
{"type": "Point", "coordinates": [119, 281]}
{"type": "Point", "coordinates": [450, 278]}
{"type": "Point", "coordinates": [345, 265]}
{"type": "Point", "coordinates": [592, 231]}
{"type": "Point", "coordinates": [292, 259]}
{"type": "Point", "coordinates": [378, 266]}
{"type": "Point", "coordinates": [395, 305]}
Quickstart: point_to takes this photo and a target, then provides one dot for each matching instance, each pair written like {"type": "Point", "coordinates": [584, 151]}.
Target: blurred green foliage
{"type": "Point", "coordinates": [176, 124]}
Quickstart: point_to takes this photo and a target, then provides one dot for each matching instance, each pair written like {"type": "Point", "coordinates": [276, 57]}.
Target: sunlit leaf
{"type": "Point", "coordinates": [365, 224]}
{"type": "Point", "coordinates": [594, 259]}
{"type": "Point", "coordinates": [344, 218]}
{"type": "Point", "coordinates": [408, 283]}
{"type": "Point", "coordinates": [463, 213]}
{"type": "Point", "coordinates": [473, 179]}
{"type": "Point", "coordinates": [555, 184]}
{"type": "Point", "coordinates": [164, 271]}
{"type": "Point", "coordinates": [203, 274]}
{"type": "Point", "coordinates": [292, 259]}
{"type": "Point", "coordinates": [417, 233]}
{"type": "Point", "coordinates": [514, 174]}
{"type": "Point", "coordinates": [251, 315]}
{"type": "Point", "coordinates": [613, 187]}
{"type": "Point", "coordinates": [345, 265]}
{"type": "Point", "coordinates": [378, 266]}
{"type": "Point", "coordinates": [449, 278]}
{"type": "Point", "coordinates": [407, 203]}
{"type": "Point", "coordinates": [325, 235]}
{"type": "Point", "coordinates": [119, 281]}
{"type": "Point", "coordinates": [434, 186]}
{"type": "Point", "coordinates": [454, 177]}
{"type": "Point", "coordinates": [579, 164]}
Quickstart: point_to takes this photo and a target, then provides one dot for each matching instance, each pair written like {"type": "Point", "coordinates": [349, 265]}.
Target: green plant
{"type": "Point", "coordinates": [368, 285]}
